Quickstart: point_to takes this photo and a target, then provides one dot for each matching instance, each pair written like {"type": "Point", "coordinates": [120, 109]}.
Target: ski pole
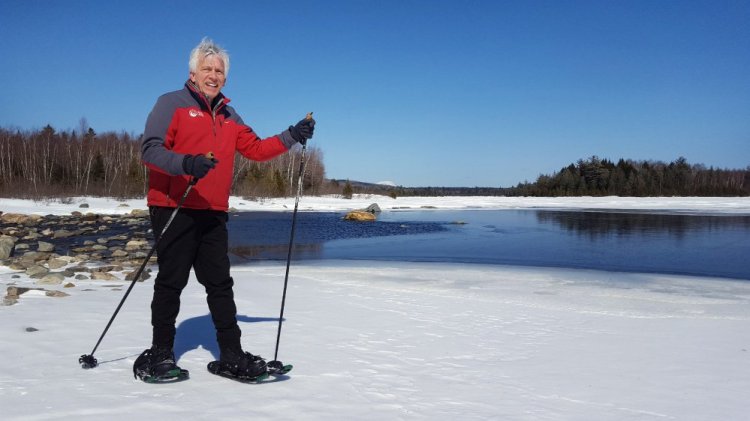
{"type": "Point", "coordinates": [276, 363]}
{"type": "Point", "coordinates": [88, 360]}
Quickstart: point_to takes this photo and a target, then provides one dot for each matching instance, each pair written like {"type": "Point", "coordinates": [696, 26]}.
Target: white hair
{"type": "Point", "coordinates": [206, 48]}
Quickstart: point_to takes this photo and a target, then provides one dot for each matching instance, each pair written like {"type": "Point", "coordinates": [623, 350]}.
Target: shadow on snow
{"type": "Point", "coordinates": [200, 332]}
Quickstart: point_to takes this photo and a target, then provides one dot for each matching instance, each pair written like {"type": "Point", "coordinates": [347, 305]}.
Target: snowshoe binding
{"type": "Point", "coordinates": [241, 366]}
{"type": "Point", "coordinates": [157, 365]}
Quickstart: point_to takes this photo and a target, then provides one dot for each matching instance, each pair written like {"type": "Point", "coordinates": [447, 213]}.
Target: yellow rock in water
{"type": "Point", "coordinates": [359, 215]}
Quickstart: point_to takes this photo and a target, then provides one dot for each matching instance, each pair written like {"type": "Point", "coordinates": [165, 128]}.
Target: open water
{"type": "Point", "coordinates": [627, 241]}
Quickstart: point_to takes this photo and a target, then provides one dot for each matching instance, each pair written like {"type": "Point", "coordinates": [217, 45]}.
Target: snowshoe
{"type": "Point", "coordinates": [277, 368]}
{"type": "Point", "coordinates": [157, 365]}
{"type": "Point", "coordinates": [240, 366]}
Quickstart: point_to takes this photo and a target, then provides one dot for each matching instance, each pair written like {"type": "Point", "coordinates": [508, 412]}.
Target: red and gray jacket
{"type": "Point", "coordinates": [183, 122]}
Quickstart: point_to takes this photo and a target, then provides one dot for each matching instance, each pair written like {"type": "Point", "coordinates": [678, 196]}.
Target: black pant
{"type": "Point", "coordinates": [195, 239]}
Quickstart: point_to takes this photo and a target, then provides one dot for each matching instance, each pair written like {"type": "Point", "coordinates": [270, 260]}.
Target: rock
{"type": "Point", "coordinates": [36, 270]}
{"type": "Point", "coordinates": [32, 236]}
{"type": "Point", "coordinates": [374, 208]}
{"type": "Point", "coordinates": [56, 294]}
{"type": "Point", "coordinates": [119, 253]}
{"type": "Point", "coordinates": [15, 291]}
{"type": "Point", "coordinates": [34, 256]}
{"type": "Point", "coordinates": [103, 276]}
{"type": "Point", "coordinates": [32, 329]}
{"type": "Point", "coordinates": [56, 263]}
{"type": "Point", "coordinates": [44, 246]}
{"type": "Point", "coordinates": [136, 245]}
{"type": "Point", "coordinates": [141, 213]}
{"type": "Point", "coordinates": [54, 278]}
{"type": "Point", "coordinates": [7, 244]}
{"type": "Point", "coordinates": [63, 234]}
{"type": "Point", "coordinates": [76, 214]}
{"type": "Point", "coordinates": [80, 277]}
{"type": "Point", "coordinates": [144, 275]}
{"type": "Point", "coordinates": [84, 205]}
{"type": "Point", "coordinates": [17, 266]}
{"type": "Point", "coordinates": [358, 215]}
{"type": "Point", "coordinates": [18, 218]}
{"type": "Point", "coordinates": [51, 279]}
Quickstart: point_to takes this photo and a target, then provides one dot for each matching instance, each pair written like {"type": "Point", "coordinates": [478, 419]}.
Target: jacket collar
{"type": "Point", "coordinates": [215, 105]}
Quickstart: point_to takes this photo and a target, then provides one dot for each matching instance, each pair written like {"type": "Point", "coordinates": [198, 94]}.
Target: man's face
{"type": "Point", "coordinates": [210, 76]}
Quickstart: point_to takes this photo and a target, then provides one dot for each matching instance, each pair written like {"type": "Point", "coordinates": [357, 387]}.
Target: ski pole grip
{"type": "Point", "coordinates": [209, 155]}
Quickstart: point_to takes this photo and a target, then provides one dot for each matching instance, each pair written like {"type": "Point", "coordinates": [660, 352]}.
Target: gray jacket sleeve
{"type": "Point", "coordinates": [153, 152]}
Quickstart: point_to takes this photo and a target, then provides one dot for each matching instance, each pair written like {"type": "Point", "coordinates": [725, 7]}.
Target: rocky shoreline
{"type": "Point", "coordinates": [57, 250]}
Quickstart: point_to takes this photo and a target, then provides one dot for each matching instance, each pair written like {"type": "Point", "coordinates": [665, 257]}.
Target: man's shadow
{"type": "Point", "coordinates": [200, 332]}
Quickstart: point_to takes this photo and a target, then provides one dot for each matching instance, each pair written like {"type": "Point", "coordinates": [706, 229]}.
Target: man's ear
{"type": "Point", "coordinates": [192, 77]}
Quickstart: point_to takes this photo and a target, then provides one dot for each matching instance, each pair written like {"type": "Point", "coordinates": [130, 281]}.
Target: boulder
{"type": "Point", "coordinates": [56, 263]}
{"type": "Point", "coordinates": [103, 276]}
{"type": "Point", "coordinates": [119, 253]}
{"type": "Point", "coordinates": [37, 271]}
{"type": "Point", "coordinates": [19, 218]}
{"type": "Point", "coordinates": [6, 246]}
{"type": "Point", "coordinates": [45, 247]}
{"type": "Point", "coordinates": [136, 245]}
{"type": "Point", "coordinates": [51, 279]}
{"type": "Point", "coordinates": [359, 215]}
{"type": "Point", "coordinates": [63, 234]}
{"type": "Point", "coordinates": [374, 208]}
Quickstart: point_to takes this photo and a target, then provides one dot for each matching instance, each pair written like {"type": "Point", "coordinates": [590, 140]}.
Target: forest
{"type": "Point", "coordinates": [45, 163]}
{"type": "Point", "coordinates": [49, 164]}
{"type": "Point", "coordinates": [602, 177]}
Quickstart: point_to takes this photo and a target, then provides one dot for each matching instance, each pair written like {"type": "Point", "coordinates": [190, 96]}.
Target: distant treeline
{"type": "Point", "coordinates": [596, 177]}
{"type": "Point", "coordinates": [601, 177]}
{"type": "Point", "coordinates": [49, 164]}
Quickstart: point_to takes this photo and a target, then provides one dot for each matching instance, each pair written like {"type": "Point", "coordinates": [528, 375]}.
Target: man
{"type": "Point", "coordinates": [192, 134]}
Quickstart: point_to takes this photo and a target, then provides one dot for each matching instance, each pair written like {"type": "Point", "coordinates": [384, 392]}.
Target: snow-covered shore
{"type": "Point", "coordinates": [336, 203]}
{"type": "Point", "coordinates": [385, 340]}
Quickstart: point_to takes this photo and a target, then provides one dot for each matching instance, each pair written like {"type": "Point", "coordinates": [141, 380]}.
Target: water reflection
{"type": "Point", "coordinates": [598, 224]}
{"type": "Point", "coordinates": [240, 253]}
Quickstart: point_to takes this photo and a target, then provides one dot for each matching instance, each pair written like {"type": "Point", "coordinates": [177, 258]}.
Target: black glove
{"type": "Point", "coordinates": [303, 130]}
{"type": "Point", "coordinates": [197, 165]}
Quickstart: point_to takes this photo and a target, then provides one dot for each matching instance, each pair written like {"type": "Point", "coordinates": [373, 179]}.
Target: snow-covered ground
{"type": "Point", "coordinates": [385, 340]}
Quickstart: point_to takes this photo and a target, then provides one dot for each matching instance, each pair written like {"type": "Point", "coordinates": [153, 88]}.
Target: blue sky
{"type": "Point", "coordinates": [421, 93]}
